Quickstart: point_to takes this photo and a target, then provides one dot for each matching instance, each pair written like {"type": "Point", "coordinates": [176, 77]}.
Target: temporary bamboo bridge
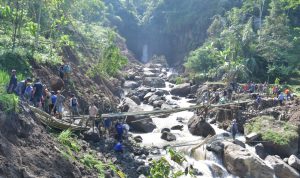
{"type": "Point", "coordinates": [60, 124]}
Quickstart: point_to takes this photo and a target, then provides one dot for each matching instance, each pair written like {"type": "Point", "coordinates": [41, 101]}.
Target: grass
{"type": "Point", "coordinates": [278, 132]}
{"type": "Point", "coordinates": [91, 162]}
{"type": "Point", "coordinates": [65, 138]}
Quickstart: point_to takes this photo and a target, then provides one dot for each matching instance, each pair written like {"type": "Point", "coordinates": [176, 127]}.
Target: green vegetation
{"type": "Point", "coordinates": [179, 80]}
{"type": "Point", "coordinates": [8, 102]}
{"type": "Point", "coordinates": [71, 150]}
{"type": "Point", "coordinates": [47, 32]}
{"type": "Point", "coordinates": [278, 132]}
{"type": "Point", "coordinates": [65, 138]}
{"type": "Point", "coordinates": [257, 41]}
{"type": "Point", "coordinates": [91, 162]}
{"type": "Point", "coordinates": [160, 168]}
{"type": "Point", "coordinates": [176, 156]}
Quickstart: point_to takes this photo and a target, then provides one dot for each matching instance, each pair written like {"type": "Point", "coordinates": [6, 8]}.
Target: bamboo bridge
{"type": "Point", "coordinates": [61, 124]}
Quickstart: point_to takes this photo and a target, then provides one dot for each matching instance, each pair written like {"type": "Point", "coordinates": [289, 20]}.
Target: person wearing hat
{"type": "Point", "coordinates": [12, 82]}
{"type": "Point", "coordinates": [234, 129]}
{"type": "Point", "coordinates": [59, 104]}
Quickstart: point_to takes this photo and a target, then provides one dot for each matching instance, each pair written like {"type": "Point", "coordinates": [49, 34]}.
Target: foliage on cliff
{"type": "Point", "coordinates": [261, 38]}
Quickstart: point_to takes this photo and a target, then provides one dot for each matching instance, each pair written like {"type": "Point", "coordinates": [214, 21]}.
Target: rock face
{"type": "Point", "coordinates": [198, 126]}
{"type": "Point", "coordinates": [181, 90]}
{"type": "Point", "coordinates": [282, 170]}
{"type": "Point", "coordinates": [242, 163]}
{"type": "Point", "coordinates": [155, 82]}
{"type": "Point", "coordinates": [294, 162]}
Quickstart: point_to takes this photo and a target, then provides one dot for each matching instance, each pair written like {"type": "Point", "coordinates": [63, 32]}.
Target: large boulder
{"type": "Point", "coordinates": [131, 84]}
{"type": "Point", "coordinates": [155, 82]}
{"type": "Point", "coordinates": [198, 126]}
{"type": "Point", "coordinates": [92, 135]}
{"type": "Point", "coordinates": [282, 170]}
{"type": "Point", "coordinates": [260, 150]}
{"type": "Point", "coordinates": [56, 83]}
{"type": "Point", "coordinates": [241, 162]}
{"type": "Point", "coordinates": [168, 136]}
{"type": "Point", "coordinates": [181, 90]}
{"type": "Point", "coordinates": [294, 162]}
{"type": "Point", "coordinates": [142, 124]}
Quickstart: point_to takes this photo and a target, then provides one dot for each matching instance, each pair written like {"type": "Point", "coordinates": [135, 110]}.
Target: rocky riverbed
{"type": "Point", "coordinates": [154, 88]}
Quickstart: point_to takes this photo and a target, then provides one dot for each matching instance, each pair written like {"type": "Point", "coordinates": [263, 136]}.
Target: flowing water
{"type": "Point", "coordinates": [184, 141]}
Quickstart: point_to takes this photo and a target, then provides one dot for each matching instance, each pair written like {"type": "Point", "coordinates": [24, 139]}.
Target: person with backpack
{"type": "Point", "coordinates": [37, 93]}
{"type": "Point", "coordinates": [234, 129]}
{"type": "Point", "coordinates": [12, 82]}
{"type": "Point", "coordinates": [67, 70]}
{"type": "Point", "coordinates": [21, 87]}
{"type": "Point", "coordinates": [74, 105]}
{"type": "Point", "coordinates": [59, 104]}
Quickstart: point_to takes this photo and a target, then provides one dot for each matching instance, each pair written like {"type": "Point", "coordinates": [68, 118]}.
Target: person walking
{"type": "Point", "coordinates": [59, 104]}
{"type": "Point", "coordinates": [12, 82]}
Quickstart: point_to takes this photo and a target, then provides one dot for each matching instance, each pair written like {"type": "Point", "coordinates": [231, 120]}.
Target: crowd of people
{"type": "Point", "coordinates": [37, 94]}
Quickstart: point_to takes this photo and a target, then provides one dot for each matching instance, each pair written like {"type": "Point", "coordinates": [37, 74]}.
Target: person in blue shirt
{"type": "Point", "coordinates": [118, 147]}
{"type": "Point", "coordinates": [281, 98]}
{"type": "Point", "coordinates": [12, 82]}
{"type": "Point", "coordinates": [120, 131]}
{"type": "Point", "coordinates": [53, 101]}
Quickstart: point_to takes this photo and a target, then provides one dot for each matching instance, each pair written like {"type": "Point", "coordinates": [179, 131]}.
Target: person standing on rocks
{"type": "Point", "coordinates": [12, 82]}
{"type": "Point", "coordinates": [74, 105]}
{"type": "Point", "coordinates": [59, 104]}
{"type": "Point", "coordinates": [93, 111]}
{"type": "Point", "coordinates": [234, 129]}
{"type": "Point", "coordinates": [37, 92]}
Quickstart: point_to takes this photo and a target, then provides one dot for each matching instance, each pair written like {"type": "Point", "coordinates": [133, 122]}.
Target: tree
{"type": "Point", "coordinates": [275, 40]}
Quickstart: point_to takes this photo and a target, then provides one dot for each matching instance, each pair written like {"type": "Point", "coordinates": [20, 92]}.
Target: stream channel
{"type": "Point", "coordinates": [202, 160]}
